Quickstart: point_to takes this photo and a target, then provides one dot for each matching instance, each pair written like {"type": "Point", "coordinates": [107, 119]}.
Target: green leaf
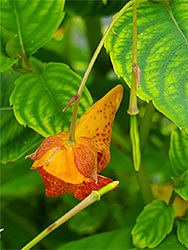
{"type": "Point", "coordinates": [162, 55]}
{"type": "Point", "coordinates": [170, 242]}
{"type": "Point", "coordinates": [6, 63]}
{"type": "Point", "coordinates": [33, 22]}
{"type": "Point", "coordinates": [182, 230]}
{"type": "Point", "coordinates": [181, 186]}
{"type": "Point", "coordinates": [47, 94]}
{"type": "Point", "coordinates": [178, 151]}
{"type": "Point", "coordinates": [7, 86]}
{"type": "Point", "coordinates": [117, 239]}
{"type": "Point", "coordinates": [15, 140]}
{"type": "Point", "coordinates": [153, 224]}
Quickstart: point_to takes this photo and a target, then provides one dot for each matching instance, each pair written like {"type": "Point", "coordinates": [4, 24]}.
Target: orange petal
{"type": "Point", "coordinates": [103, 158]}
{"type": "Point", "coordinates": [96, 123]}
{"type": "Point", "coordinates": [50, 142]}
{"type": "Point", "coordinates": [85, 157]}
{"type": "Point", "coordinates": [56, 187]}
{"type": "Point", "coordinates": [45, 158]}
{"type": "Point", "coordinates": [62, 165]}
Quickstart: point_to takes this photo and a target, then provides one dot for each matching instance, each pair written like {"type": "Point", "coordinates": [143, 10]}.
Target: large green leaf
{"type": "Point", "coordinates": [179, 151]}
{"type": "Point", "coordinates": [117, 239]}
{"type": "Point", "coordinates": [180, 185]}
{"type": "Point", "coordinates": [182, 231]}
{"type": "Point", "coordinates": [33, 22]}
{"type": "Point", "coordinates": [15, 140]}
{"type": "Point", "coordinates": [6, 63]}
{"type": "Point", "coordinates": [47, 94]}
{"type": "Point", "coordinates": [153, 224]}
{"type": "Point", "coordinates": [162, 55]}
{"type": "Point", "coordinates": [170, 242]}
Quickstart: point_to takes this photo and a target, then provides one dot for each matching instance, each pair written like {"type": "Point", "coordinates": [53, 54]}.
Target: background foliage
{"type": "Point", "coordinates": [59, 43]}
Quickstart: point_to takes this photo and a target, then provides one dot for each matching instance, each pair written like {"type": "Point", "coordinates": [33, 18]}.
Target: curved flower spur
{"type": "Point", "coordinates": [74, 168]}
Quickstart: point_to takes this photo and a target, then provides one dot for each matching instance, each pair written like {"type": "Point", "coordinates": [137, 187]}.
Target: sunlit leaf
{"type": "Point", "coordinates": [164, 192]}
{"type": "Point", "coordinates": [33, 22]}
{"type": "Point", "coordinates": [153, 224]}
{"type": "Point", "coordinates": [179, 151]}
{"type": "Point", "coordinates": [15, 140]}
{"type": "Point", "coordinates": [162, 55]}
{"type": "Point", "coordinates": [47, 94]}
{"type": "Point", "coordinates": [181, 187]}
{"type": "Point", "coordinates": [182, 230]}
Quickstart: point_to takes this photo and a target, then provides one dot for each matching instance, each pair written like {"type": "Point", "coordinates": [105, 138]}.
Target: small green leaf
{"type": "Point", "coordinates": [181, 187]}
{"type": "Point", "coordinates": [47, 94]}
{"type": "Point", "coordinates": [179, 151]}
{"type": "Point", "coordinates": [153, 224]}
{"type": "Point", "coordinates": [162, 55]}
{"type": "Point", "coordinates": [33, 22]}
{"type": "Point", "coordinates": [182, 231]}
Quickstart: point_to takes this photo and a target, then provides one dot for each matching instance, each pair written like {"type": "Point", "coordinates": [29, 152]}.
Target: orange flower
{"type": "Point", "coordinates": [74, 168]}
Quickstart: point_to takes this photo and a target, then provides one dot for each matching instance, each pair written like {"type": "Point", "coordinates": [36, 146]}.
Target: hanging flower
{"type": "Point", "coordinates": [75, 167]}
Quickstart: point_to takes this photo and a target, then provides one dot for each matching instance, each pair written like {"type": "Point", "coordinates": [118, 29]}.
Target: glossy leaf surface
{"type": "Point", "coordinates": [48, 92]}
{"type": "Point", "coordinates": [15, 140]}
{"type": "Point", "coordinates": [153, 224]}
{"type": "Point", "coordinates": [162, 55]}
{"type": "Point", "coordinates": [182, 230]}
{"type": "Point", "coordinates": [179, 151]}
{"type": "Point", "coordinates": [32, 22]}
{"type": "Point", "coordinates": [181, 187]}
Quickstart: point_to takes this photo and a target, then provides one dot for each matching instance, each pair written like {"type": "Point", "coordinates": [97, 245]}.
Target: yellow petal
{"type": "Point", "coordinates": [96, 123]}
{"type": "Point", "coordinates": [62, 166]}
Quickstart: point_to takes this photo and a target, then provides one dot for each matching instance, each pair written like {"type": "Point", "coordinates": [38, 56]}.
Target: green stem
{"type": "Point", "coordinates": [146, 125]}
{"type": "Point", "coordinates": [135, 139]}
{"type": "Point", "coordinates": [144, 184]}
{"type": "Point", "coordinates": [133, 108]}
{"type": "Point", "coordinates": [142, 175]}
{"type": "Point", "coordinates": [94, 196]}
{"type": "Point", "coordinates": [172, 198]}
{"type": "Point", "coordinates": [86, 75]}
